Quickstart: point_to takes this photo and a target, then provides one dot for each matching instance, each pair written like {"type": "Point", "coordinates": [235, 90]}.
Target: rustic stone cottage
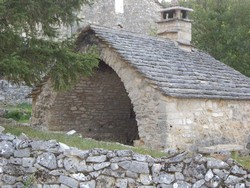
{"type": "Point", "coordinates": [151, 91]}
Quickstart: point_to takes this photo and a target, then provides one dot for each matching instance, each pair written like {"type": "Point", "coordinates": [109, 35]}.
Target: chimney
{"type": "Point", "coordinates": [175, 25]}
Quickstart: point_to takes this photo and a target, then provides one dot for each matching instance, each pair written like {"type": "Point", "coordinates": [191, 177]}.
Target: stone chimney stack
{"type": "Point", "coordinates": [175, 25]}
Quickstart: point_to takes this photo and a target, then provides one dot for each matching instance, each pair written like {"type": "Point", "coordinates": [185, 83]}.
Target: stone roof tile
{"type": "Point", "coordinates": [175, 72]}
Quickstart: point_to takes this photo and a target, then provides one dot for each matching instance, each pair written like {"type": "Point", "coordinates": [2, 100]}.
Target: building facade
{"type": "Point", "coordinates": [149, 91]}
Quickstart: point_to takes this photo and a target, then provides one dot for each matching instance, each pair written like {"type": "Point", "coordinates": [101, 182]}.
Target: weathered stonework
{"type": "Point", "coordinates": [203, 122]}
{"type": "Point", "coordinates": [49, 164]}
{"type": "Point", "coordinates": [138, 16]}
{"type": "Point", "coordinates": [12, 94]}
{"type": "Point", "coordinates": [41, 105]}
{"type": "Point", "coordinates": [145, 100]}
{"type": "Point", "coordinates": [97, 107]}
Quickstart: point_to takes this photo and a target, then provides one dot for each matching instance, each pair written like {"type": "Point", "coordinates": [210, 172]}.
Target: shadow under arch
{"type": "Point", "coordinates": [98, 107]}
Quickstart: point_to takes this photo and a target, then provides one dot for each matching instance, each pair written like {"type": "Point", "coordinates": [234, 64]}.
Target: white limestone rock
{"type": "Point", "coordinates": [96, 159]}
{"type": "Point", "coordinates": [216, 164]}
{"type": "Point", "coordinates": [47, 160]}
{"type": "Point", "coordinates": [135, 166]}
{"type": "Point", "coordinates": [89, 184]}
{"type": "Point", "coordinates": [72, 132]}
{"type": "Point", "coordinates": [6, 149]}
{"type": "Point", "coordinates": [70, 182]}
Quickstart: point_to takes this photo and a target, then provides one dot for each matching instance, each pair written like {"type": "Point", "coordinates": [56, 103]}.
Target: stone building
{"type": "Point", "coordinates": [132, 15]}
{"type": "Point", "coordinates": [151, 91]}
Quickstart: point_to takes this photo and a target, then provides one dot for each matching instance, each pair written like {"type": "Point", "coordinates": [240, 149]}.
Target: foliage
{"type": "Point", "coordinates": [76, 141]}
{"type": "Point", "coordinates": [30, 48]}
{"type": "Point", "coordinates": [29, 181]}
{"type": "Point", "coordinates": [243, 160]}
{"type": "Point", "coordinates": [20, 112]}
{"type": "Point", "coordinates": [222, 28]}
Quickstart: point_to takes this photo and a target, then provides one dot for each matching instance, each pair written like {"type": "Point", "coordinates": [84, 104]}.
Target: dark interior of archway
{"type": "Point", "coordinates": [98, 107]}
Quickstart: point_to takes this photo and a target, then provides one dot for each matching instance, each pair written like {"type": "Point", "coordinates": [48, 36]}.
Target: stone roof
{"type": "Point", "coordinates": [175, 72]}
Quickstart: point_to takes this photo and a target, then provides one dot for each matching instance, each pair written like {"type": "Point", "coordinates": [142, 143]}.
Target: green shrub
{"type": "Point", "coordinates": [20, 112]}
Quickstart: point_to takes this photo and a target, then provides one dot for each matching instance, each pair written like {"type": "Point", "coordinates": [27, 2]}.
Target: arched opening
{"type": "Point", "coordinates": [98, 107]}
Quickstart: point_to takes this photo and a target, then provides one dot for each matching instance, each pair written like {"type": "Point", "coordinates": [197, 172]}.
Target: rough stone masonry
{"type": "Point", "coordinates": [48, 164]}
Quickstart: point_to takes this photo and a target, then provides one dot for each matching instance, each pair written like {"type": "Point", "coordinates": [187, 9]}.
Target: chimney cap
{"type": "Point", "coordinates": [176, 8]}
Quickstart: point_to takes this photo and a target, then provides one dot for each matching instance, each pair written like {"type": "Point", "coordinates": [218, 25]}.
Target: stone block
{"type": "Point", "coordinates": [51, 186]}
{"type": "Point", "coordinates": [223, 174]}
{"type": "Point", "coordinates": [9, 179]}
{"type": "Point", "coordinates": [233, 180]}
{"type": "Point", "coordinates": [124, 153]}
{"type": "Point", "coordinates": [71, 164]}
{"type": "Point", "coordinates": [179, 176]}
{"type": "Point", "coordinates": [114, 166]}
{"type": "Point", "coordinates": [164, 178]}
{"type": "Point", "coordinates": [28, 162]}
{"type": "Point", "coordinates": [122, 183]}
{"type": "Point", "coordinates": [80, 177]}
{"type": "Point", "coordinates": [105, 182]}
{"type": "Point", "coordinates": [216, 164]}
{"type": "Point", "coordinates": [70, 182]}
{"type": "Point", "coordinates": [209, 175]}
{"type": "Point", "coordinates": [145, 179]}
{"type": "Point", "coordinates": [16, 161]}
{"type": "Point", "coordinates": [238, 170]}
{"type": "Point", "coordinates": [101, 165]}
{"type": "Point", "coordinates": [6, 149]}
{"type": "Point", "coordinates": [182, 184]}
{"type": "Point", "coordinates": [89, 184]}
{"type": "Point", "coordinates": [6, 137]}
{"type": "Point", "coordinates": [47, 160]}
{"type": "Point", "coordinates": [198, 184]}
{"type": "Point", "coordinates": [96, 159]}
{"type": "Point", "coordinates": [134, 166]}
{"type": "Point", "coordinates": [22, 153]}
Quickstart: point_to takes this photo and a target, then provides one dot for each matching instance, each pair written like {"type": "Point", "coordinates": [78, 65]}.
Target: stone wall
{"type": "Point", "coordinates": [13, 94]}
{"type": "Point", "coordinates": [41, 105]}
{"type": "Point", "coordinates": [139, 16]}
{"type": "Point", "coordinates": [145, 99]}
{"type": "Point", "coordinates": [201, 122]}
{"type": "Point", "coordinates": [97, 107]}
{"type": "Point", "coordinates": [48, 164]}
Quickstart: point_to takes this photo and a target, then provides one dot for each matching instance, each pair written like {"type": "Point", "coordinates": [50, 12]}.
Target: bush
{"type": "Point", "coordinates": [21, 112]}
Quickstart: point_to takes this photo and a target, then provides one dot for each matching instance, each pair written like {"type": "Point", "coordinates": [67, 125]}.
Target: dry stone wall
{"type": "Point", "coordinates": [48, 164]}
{"type": "Point", "coordinates": [13, 94]}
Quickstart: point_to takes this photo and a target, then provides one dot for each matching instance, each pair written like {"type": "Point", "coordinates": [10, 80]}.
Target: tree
{"type": "Point", "coordinates": [29, 45]}
{"type": "Point", "coordinates": [222, 28]}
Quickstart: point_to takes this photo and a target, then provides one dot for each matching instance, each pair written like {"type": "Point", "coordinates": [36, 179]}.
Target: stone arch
{"type": "Point", "coordinates": [147, 100]}
{"type": "Point", "coordinates": [97, 107]}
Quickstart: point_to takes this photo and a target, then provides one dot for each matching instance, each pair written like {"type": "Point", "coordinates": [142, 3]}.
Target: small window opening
{"type": "Point", "coordinates": [184, 14]}
{"type": "Point", "coordinates": [168, 15]}
{"type": "Point", "coordinates": [171, 14]}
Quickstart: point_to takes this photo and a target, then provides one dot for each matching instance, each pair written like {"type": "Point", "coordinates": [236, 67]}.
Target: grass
{"type": "Point", "coordinates": [20, 112]}
{"type": "Point", "coordinates": [243, 160]}
{"type": "Point", "coordinates": [76, 141]}
{"type": "Point", "coordinates": [85, 144]}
